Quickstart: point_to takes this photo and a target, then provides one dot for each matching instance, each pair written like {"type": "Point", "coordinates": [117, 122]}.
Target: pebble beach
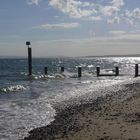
{"type": "Point", "coordinates": [105, 119]}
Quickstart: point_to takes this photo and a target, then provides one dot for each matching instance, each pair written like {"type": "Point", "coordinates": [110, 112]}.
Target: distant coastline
{"type": "Point", "coordinates": [24, 57]}
{"type": "Point", "coordinates": [128, 55]}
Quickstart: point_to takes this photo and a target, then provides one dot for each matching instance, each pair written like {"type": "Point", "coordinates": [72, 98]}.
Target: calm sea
{"type": "Point", "coordinates": [27, 103]}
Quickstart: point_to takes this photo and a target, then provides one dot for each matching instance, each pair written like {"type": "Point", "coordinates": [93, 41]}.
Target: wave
{"type": "Point", "coordinates": [65, 74]}
{"type": "Point", "coordinates": [12, 88]}
{"type": "Point", "coordinates": [19, 117]}
{"type": "Point", "coordinates": [89, 90]}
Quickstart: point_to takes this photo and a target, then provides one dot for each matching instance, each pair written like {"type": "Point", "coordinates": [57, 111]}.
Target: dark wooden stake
{"type": "Point", "coordinates": [136, 70]}
{"type": "Point", "coordinates": [62, 69]}
{"type": "Point", "coordinates": [117, 71]}
{"type": "Point", "coordinates": [46, 70]}
{"type": "Point", "coordinates": [98, 71]}
{"type": "Point", "coordinates": [79, 72]}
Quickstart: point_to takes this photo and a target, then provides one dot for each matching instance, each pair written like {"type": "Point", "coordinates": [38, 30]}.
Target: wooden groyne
{"type": "Point", "coordinates": [98, 70]}
{"type": "Point", "coordinates": [116, 71]}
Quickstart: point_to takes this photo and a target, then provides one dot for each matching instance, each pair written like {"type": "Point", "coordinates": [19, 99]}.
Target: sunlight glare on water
{"type": "Point", "coordinates": [26, 103]}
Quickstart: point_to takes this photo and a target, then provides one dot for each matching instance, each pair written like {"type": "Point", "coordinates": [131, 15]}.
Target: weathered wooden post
{"type": "Point", "coordinates": [46, 70]}
{"type": "Point", "coordinates": [136, 70]}
{"type": "Point", "coordinates": [79, 72]}
{"type": "Point", "coordinates": [29, 58]}
{"type": "Point", "coordinates": [98, 71]}
{"type": "Point", "coordinates": [117, 71]}
{"type": "Point", "coordinates": [62, 69]}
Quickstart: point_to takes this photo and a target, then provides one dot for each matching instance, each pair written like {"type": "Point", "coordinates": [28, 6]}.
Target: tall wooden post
{"type": "Point", "coordinates": [79, 72]}
{"type": "Point", "coordinates": [117, 71]}
{"type": "Point", "coordinates": [136, 70]}
{"type": "Point", "coordinates": [98, 71]}
{"type": "Point", "coordinates": [29, 58]}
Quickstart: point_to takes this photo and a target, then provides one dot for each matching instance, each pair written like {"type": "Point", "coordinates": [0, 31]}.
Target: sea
{"type": "Point", "coordinates": [28, 102]}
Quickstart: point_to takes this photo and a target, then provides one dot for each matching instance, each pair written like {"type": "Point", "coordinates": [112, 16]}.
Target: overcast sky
{"type": "Point", "coordinates": [69, 27]}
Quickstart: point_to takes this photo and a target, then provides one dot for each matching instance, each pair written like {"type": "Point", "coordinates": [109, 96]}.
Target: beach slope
{"type": "Point", "coordinates": [111, 120]}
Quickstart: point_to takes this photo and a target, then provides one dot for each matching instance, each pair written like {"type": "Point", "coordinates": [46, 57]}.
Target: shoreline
{"type": "Point", "coordinates": [104, 119]}
{"type": "Point", "coordinates": [65, 122]}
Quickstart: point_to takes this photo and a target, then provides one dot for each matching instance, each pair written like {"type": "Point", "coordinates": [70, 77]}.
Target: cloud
{"type": "Point", "coordinates": [132, 17]}
{"type": "Point", "coordinates": [133, 14]}
{"type": "Point", "coordinates": [87, 10]}
{"type": "Point", "coordinates": [113, 20]}
{"type": "Point", "coordinates": [117, 32]}
{"type": "Point", "coordinates": [73, 8]}
{"type": "Point", "coordinates": [124, 44]}
{"type": "Point", "coordinates": [58, 26]}
{"type": "Point", "coordinates": [129, 21]}
{"type": "Point", "coordinates": [31, 2]}
{"type": "Point", "coordinates": [112, 11]}
{"type": "Point", "coordinates": [123, 36]}
{"type": "Point", "coordinates": [109, 10]}
{"type": "Point", "coordinates": [94, 18]}
{"type": "Point", "coordinates": [117, 3]}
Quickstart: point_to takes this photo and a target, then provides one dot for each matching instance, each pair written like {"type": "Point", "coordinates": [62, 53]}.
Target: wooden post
{"type": "Point", "coordinates": [46, 70]}
{"type": "Point", "coordinates": [98, 71]}
{"type": "Point", "coordinates": [136, 70]}
{"type": "Point", "coordinates": [62, 69]}
{"type": "Point", "coordinates": [29, 58]}
{"type": "Point", "coordinates": [79, 72]}
{"type": "Point", "coordinates": [117, 71]}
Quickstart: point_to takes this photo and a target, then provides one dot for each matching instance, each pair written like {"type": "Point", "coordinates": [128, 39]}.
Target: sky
{"type": "Point", "coordinates": [69, 27]}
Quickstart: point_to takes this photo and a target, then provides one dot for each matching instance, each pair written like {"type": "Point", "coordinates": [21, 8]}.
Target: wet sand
{"type": "Point", "coordinates": [101, 120]}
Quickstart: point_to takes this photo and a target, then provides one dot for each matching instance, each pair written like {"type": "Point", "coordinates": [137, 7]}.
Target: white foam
{"type": "Point", "coordinates": [12, 88]}
{"type": "Point", "coordinates": [90, 66]}
{"type": "Point", "coordinates": [19, 117]}
{"type": "Point", "coordinates": [88, 90]}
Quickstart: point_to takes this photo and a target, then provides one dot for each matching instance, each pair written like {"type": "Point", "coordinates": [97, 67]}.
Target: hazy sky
{"type": "Point", "coordinates": [69, 27]}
